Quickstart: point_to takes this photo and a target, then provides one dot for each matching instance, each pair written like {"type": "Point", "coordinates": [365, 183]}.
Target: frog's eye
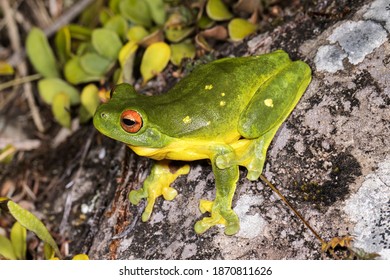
{"type": "Point", "coordinates": [131, 121]}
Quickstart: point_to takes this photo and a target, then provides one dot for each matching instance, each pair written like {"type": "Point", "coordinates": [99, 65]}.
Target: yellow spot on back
{"type": "Point", "coordinates": [269, 102]}
{"type": "Point", "coordinates": [187, 119]}
{"type": "Point", "coordinates": [208, 87]}
{"type": "Point", "coordinates": [222, 94]}
{"type": "Point", "coordinates": [222, 103]}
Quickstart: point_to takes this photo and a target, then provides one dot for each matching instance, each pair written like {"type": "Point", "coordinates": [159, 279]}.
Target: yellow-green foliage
{"type": "Point", "coordinates": [15, 248]}
{"type": "Point", "coordinates": [155, 31]}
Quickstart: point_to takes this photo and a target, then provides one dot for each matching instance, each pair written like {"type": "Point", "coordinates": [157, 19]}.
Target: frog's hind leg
{"type": "Point", "coordinates": [250, 153]}
{"type": "Point", "coordinates": [254, 157]}
{"type": "Point", "coordinates": [220, 209]}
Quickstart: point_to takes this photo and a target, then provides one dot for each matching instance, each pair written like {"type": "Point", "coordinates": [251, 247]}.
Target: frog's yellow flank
{"type": "Point", "coordinates": [227, 111]}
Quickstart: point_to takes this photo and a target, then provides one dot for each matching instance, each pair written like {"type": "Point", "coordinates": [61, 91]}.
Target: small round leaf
{"type": "Point", "coordinates": [117, 24]}
{"type": "Point", "coordinates": [75, 73]}
{"type": "Point", "coordinates": [136, 33]}
{"type": "Point", "coordinates": [217, 10]}
{"type": "Point", "coordinates": [126, 60]}
{"type": "Point", "coordinates": [90, 98]}
{"type": "Point", "coordinates": [137, 11]}
{"type": "Point", "coordinates": [40, 53]}
{"type": "Point", "coordinates": [240, 28]}
{"type": "Point", "coordinates": [62, 43]}
{"type": "Point", "coordinates": [50, 87]}
{"type": "Point", "coordinates": [154, 60]}
{"type": "Point", "coordinates": [180, 51]}
{"type": "Point", "coordinates": [106, 42]}
{"type": "Point", "coordinates": [61, 109]}
{"type": "Point", "coordinates": [176, 35]}
{"type": "Point", "coordinates": [94, 64]}
{"type": "Point", "coordinates": [157, 11]}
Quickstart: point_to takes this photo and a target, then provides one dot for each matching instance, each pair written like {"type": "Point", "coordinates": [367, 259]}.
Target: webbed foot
{"type": "Point", "coordinates": [218, 216]}
{"type": "Point", "coordinates": [157, 184]}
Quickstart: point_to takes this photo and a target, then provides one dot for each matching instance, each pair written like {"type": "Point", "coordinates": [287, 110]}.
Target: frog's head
{"type": "Point", "coordinates": [123, 118]}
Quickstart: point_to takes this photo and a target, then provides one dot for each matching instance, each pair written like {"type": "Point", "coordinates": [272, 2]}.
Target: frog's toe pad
{"type": "Point", "coordinates": [135, 196]}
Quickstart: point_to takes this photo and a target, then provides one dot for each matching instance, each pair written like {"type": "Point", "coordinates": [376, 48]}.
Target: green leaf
{"type": "Point", "coordinates": [83, 48]}
{"type": "Point", "coordinates": [40, 53]}
{"type": "Point", "coordinates": [32, 223]}
{"type": "Point", "coordinates": [137, 11]}
{"type": "Point", "coordinates": [88, 15]}
{"type": "Point", "coordinates": [157, 11]}
{"type": "Point", "coordinates": [180, 51]}
{"type": "Point", "coordinates": [117, 24]}
{"type": "Point", "coordinates": [154, 60]}
{"type": "Point", "coordinates": [106, 42]}
{"type": "Point", "coordinates": [126, 60]}
{"type": "Point", "coordinates": [136, 33]}
{"type": "Point", "coordinates": [6, 249]}
{"type": "Point", "coordinates": [176, 35]}
{"type": "Point", "coordinates": [94, 64]}
{"type": "Point", "coordinates": [114, 5]}
{"type": "Point", "coordinates": [79, 32]}
{"type": "Point", "coordinates": [62, 43]}
{"type": "Point", "coordinates": [75, 73]}
{"type": "Point", "coordinates": [205, 22]}
{"type": "Point", "coordinates": [48, 251]}
{"type": "Point", "coordinates": [105, 15]}
{"type": "Point", "coordinates": [61, 109]}
{"type": "Point", "coordinates": [6, 68]}
{"type": "Point", "coordinates": [239, 28]}
{"type": "Point", "coordinates": [84, 115]}
{"type": "Point", "coordinates": [49, 88]}
{"type": "Point", "coordinates": [217, 10]}
{"type": "Point", "coordinates": [90, 98]}
{"type": "Point", "coordinates": [18, 240]}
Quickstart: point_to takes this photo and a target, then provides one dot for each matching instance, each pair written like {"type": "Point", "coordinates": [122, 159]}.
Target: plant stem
{"type": "Point", "coordinates": [20, 81]}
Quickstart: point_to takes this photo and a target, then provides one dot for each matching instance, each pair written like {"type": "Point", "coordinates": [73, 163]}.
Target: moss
{"type": "Point", "coordinates": [344, 171]}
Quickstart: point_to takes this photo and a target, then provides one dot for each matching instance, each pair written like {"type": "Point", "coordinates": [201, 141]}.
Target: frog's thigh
{"type": "Point", "coordinates": [220, 209]}
{"type": "Point", "coordinates": [254, 155]}
{"type": "Point", "coordinates": [157, 184]}
{"type": "Point", "coordinates": [274, 101]}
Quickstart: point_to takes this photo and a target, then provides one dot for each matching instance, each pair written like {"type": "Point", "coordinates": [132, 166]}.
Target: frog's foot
{"type": "Point", "coordinates": [157, 184]}
{"type": "Point", "coordinates": [219, 215]}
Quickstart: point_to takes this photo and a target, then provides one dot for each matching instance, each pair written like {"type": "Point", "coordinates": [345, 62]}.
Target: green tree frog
{"type": "Point", "coordinates": [227, 111]}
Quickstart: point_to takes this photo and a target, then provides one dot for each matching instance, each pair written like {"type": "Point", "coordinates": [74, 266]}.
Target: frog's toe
{"type": "Point", "coordinates": [135, 196]}
{"type": "Point", "coordinates": [253, 175]}
{"type": "Point", "coordinates": [203, 225]}
{"type": "Point", "coordinates": [228, 218]}
{"type": "Point", "coordinates": [232, 223]}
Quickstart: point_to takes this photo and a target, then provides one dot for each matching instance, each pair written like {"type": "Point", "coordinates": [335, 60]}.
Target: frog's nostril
{"type": "Point", "coordinates": [103, 115]}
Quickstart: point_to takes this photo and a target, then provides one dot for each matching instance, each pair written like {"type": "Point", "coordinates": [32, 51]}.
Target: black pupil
{"type": "Point", "coordinates": [128, 122]}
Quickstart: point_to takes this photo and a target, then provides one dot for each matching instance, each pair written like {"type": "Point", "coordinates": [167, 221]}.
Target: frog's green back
{"type": "Point", "coordinates": [207, 103]}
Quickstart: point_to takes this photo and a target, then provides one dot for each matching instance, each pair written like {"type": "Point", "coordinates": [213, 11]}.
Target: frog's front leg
{"type": "Point", "coordinates": [158, 184]}
{"type": "Point", "coordinates": [220, 209]}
